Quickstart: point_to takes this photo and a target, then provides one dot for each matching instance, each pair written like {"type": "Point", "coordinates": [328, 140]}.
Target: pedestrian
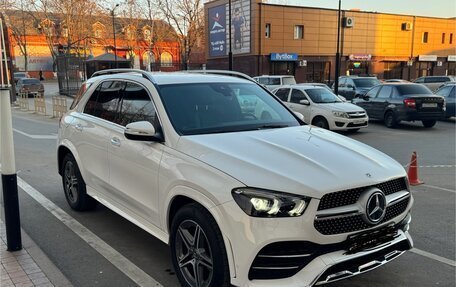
{"type": "Point", "coordinates": [237, 22]}
{"type": "Point", "coordinates": [41, 75]}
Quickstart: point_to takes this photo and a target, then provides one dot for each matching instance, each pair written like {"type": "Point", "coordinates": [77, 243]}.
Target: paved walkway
{"type": "Point", "coordinates": [24, 268]}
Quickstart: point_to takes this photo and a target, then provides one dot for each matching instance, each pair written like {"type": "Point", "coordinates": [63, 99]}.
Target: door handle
{"type": "Point", "coordinates": [115, 141]}
{"type": "Point", "coordinates": [78, 127]}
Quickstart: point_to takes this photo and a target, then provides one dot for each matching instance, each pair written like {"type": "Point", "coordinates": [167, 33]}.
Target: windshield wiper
{"type": "Point", "coordinates": [264, 127]}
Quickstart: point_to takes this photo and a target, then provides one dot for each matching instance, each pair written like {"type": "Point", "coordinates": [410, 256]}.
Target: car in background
{"type": "Point", "coordinates": [322, 108]}
{"type": "Point", "coordinates": [448, 91]}
{"type": "Point", "coordinates": [351, 87]}
{"type": "Point", "coordinates": [396, 81]}
{"type": "Point", "coordinates": [29, 86]}
{"type": "Point", "coordinates": [20, 75]}
{"type": "Point", "coordinates": [272, 82]}
{"type": "Point", "coordinates": [393, 103]}
{"type": "Point", "coordinates": [434, 82]}
{"type": "Point", "coordinates": [321, 85]}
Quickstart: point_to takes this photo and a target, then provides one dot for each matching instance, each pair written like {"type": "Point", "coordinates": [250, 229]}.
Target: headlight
{"type": "Point", "coordinates": [340, 114]}
{"type": "Point", "coordinates": [264, 203]}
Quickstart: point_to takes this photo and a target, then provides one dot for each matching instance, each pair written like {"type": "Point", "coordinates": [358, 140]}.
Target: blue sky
{"type": "Point", "coordinates": [433, 8]}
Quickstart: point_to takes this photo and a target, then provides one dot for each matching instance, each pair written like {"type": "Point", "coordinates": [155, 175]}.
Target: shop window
{"type": "Point", "coordinates": [166, 60]}
{"type": "Point", "coordinates": [299, 32]}
{"type": "Point", "coordinates": [425, 37]}
{"type": "Point", "coordinates": [268, 30]}
{"type": "Point", "coordinates": [443, 38]}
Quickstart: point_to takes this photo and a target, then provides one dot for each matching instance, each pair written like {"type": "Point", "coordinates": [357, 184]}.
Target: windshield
{"type": "Point", "coordinates": [322, 96]}
{"type": "Point", "coordinates": [366, 83]}
{"type": "Point", "coordinates": [413, 90]}
{"type": "Point", "coordinates": [30, 82]}
{"type": "Point", "coordinates": [205, 108]}
{"type": "Point", "coordinates": [19, 75]}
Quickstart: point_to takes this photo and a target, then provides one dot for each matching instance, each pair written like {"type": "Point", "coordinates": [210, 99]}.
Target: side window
{"type": "Point", "coordinates": [79, 95]}
{"type": "Point", "coordinates": [342, 82]}
{"type": "Point", "coordinates": [136, 105]}
{"type": "Point", "coordinates": [419, 80]}
{"type": "Point", "coordinates": [263, 81]}
{"type": "Point", "coordinates": [103, 102]}
{"type": "Point", "coordinates": [274, 81]}
{"type": "Point", "coordinates": [282, 94]}
{"type": "Point", "coordinates": [385, 92]}
{"type": "Point", "coordinates": [396, 93]}
{"type": "Point", "coordinates": [373, 92]}
{"type": "Point", "coordinates": [350, 83]}
{"type": "Point", "coordinates": [296, 96]}
{"type": "Point", "coordinates": [445, 91]}
{"type": "Point", "coordinates": [453, 93]}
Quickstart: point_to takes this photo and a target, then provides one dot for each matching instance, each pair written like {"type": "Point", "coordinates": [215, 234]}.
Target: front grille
{"type": "Point", "coordinates": [356, 115]}
{"type": "Point", "coordinates": [353, 125]}
{"type": "Point", "coordinates": [351, 196]}
{"type": "Point", "coordinates": [355, 222]}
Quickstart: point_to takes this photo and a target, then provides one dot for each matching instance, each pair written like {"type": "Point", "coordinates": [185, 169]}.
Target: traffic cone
{"type": "Point", "coordinates": [413, 171]}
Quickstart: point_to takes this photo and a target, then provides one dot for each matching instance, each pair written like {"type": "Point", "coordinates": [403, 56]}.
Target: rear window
{"type": "Point", "coordinates": [366, 83]}
{"type": "Point", "coordinates": [413, 90]}
{"type": "Point", "coordinates": [19, 75]}
{"type": "Point", "coordinates": [436, 79]}
{"type": "Point", "coordinates": [30, 81]}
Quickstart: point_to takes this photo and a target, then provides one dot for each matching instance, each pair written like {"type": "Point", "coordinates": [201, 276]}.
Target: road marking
{"type": "Point", "coordinates": [136, 274]}
{"type": "Point", "coordinates": [440, 188]}
{"type": "Point", "coordinates": [36, 137]}
{"type": "Point", "coordinates": [433, 256]}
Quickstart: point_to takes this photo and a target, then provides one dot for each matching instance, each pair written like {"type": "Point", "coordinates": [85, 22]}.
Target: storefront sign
{"type": "Point", "coordinates": [451, 58]}
{"type": "Point", "coordinates": [284, 57]}
{"type": "Point", "coordinates": [217, 31]}
{"type": "Point", "coordinates": [427, 58]}
{"type": "Point", "coordinates": [360, 57]}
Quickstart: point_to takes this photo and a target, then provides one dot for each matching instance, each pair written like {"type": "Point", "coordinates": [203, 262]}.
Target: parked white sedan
{"type": "Point", "coordinates": [322, 108]}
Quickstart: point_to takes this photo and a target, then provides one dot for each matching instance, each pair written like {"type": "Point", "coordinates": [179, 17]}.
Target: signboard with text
{"type": "Point", "coordinates": [427, 58]}
{"type": "Point", "coordinates": [451, 58]}
{"type": "Point", "coordinates": [217, 31]}
{"type": "Point", "coordinates": [284, 57]}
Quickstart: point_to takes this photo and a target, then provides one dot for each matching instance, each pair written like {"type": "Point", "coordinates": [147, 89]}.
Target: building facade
{"type": "Point", "coordinates": [302, 41]}
{"type": "Point", "coordinates": [149, 45]}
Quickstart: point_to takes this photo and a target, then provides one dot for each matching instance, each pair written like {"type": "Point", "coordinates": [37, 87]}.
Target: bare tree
{"type": "Point", "coordinates": [187, 17]}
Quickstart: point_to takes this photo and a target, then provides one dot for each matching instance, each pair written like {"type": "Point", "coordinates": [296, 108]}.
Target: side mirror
{"type": "Point", "coordinates": [350, 86]}
{"type": "Point", "coordinates": [299, 115]}
{"type": "Point", "coordinates": [366, 97]}
{"type": "Point", "coordinates": [304, 102]}
{"type": "Point", "coordinates": [142, 131]}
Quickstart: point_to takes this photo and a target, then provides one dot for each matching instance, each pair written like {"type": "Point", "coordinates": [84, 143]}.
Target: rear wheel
{"type": "Point", "coordinates": [321, 122]}
{"type": "Point", "coordinates": [197, 248]}
{"type": "Point", "coordinates": [74, 186]}
{"type": "Point", "coordinates": [429, 123]}
{"type": "Point", "coordinates": [390, 120]}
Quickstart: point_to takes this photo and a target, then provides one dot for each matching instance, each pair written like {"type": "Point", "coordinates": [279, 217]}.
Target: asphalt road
{"type": "Point", "coordinates": [433, 224]}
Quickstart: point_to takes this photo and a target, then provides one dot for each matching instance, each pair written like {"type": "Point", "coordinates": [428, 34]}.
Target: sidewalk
{"type": "Point", "coordinates": [27, 267]}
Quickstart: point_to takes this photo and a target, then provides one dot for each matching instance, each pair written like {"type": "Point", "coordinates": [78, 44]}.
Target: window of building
{"type": "Point", "coordinates": [130, 33]}
{"type": "Point", "coordinates": [425, 37]}
{"type": "Point", "coordinates": [443, 38]}
{"type": "Point", "coordinates": [65, 32]}
{"type": "Point", "coordinates": [299, 32]}
{"type": "Point", "coordinates": [147, 34]}
{"type": "Point", "coordinates": [166, 60]}
{"type": "Point", "coordinates": [268, 30]}
{"type": "Point", "coordinates": [98, 33]}
{"type": "Point", "coordinates": [451, 38]}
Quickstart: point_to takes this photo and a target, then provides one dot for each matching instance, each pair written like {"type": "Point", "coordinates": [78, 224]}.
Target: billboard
{"type": "Point", "coordinates": [219, 38]}
{"type": "Point", "coordinates": [217, 31]}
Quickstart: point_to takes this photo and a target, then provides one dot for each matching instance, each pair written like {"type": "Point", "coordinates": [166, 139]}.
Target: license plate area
{"type": "Point", "coordinates": [371, 239]}
{"type": "Point", "coordinates": [429, 105]}
{"type": "Point", "coordinates": [359, 122]}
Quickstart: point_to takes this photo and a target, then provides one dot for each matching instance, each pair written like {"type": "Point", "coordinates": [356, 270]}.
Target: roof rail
{"type": "Point", "coordinates": [145, 74]}
{"type": "Point", "coordinates": [221, 72]}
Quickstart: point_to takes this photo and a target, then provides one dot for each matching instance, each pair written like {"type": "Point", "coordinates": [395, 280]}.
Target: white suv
{"type": "Point", "coordinates": [242, 190]}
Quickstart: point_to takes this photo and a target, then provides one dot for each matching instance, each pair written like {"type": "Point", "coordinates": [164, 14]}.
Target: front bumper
{"type": "Point", "coordinates": [249, 236]}
{"type": "Point", "coordinates": [347, 124]}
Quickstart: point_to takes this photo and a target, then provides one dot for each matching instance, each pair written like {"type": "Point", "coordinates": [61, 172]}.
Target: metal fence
{"type": "Point", "coordinates": [70, 73]}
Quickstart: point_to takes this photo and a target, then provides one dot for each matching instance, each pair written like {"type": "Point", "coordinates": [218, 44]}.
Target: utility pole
{"type": "Point", "coordinates": [114, 33]}
{"type": "Point", "coordinates": [336, 79]}
{"type": "Point", "coordinates": [8, 169]}
{"type": "Point", "coordinates": [230, 53]}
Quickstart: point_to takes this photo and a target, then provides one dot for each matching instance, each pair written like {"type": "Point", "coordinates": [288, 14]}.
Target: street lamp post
{"type": "Point", "coordinates": [230, 51]}
{"type": "Point", "coordinates": [114, 33]}
{"type": "Point", "coordinates": [336, 78]}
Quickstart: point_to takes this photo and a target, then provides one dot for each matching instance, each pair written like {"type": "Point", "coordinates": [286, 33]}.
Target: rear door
{"type": "Point", "coordinates": [381, 101]}
{"type": "Point", "coordinates": [133, 164]}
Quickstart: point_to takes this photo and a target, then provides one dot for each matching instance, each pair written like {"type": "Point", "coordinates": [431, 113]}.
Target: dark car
{"type": "Point", "coordinates": [29, 86]}
{"type": "Point", "coordinates": [394, 102]}
{"type": "Point", "coordinates": [351, 87]}
{"type": "Point", "coordinates": [20, 75]}
{"type": "Point", "coordinates": [448, 91]}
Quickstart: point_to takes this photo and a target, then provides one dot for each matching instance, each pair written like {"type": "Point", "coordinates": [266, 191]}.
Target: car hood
{"type": "Point", "coordinates": [341, 107]}
{"type": "Point", "coordinates": [302, 160]}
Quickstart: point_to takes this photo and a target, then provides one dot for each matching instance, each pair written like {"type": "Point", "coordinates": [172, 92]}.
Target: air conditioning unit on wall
{"type": "Point", "coordinates": [348, 22]}
{"type": "Point", "coordinates": [407, 26]}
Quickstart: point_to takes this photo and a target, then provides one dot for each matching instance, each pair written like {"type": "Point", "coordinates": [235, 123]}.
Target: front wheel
{"type": "Point", "coordinates": [322, 123]}
{"type": "Point", "coordinates": [197, 248]}
{"type": "Point", "coordinates": [429, 123]}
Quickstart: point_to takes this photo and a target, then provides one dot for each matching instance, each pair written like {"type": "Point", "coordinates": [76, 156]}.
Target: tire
{"type": "Point", "coordinates": [74, 186]}
{"type": "Point", "coordinates": [208, 253]}
{"type": "Point", "coordinates": [428, 123]}
{"type": "Point", "coordinates": [390, 120]}
{"type": "Point", "coordinates": [321, 122]}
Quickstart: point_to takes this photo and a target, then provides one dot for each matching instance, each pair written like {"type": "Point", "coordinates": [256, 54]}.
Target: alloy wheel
{"type": "Point", "coordinates": [71, 182]}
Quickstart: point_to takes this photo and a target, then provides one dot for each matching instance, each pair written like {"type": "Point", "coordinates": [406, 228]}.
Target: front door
{"type": "Point", "coordinates": [295, 105]}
